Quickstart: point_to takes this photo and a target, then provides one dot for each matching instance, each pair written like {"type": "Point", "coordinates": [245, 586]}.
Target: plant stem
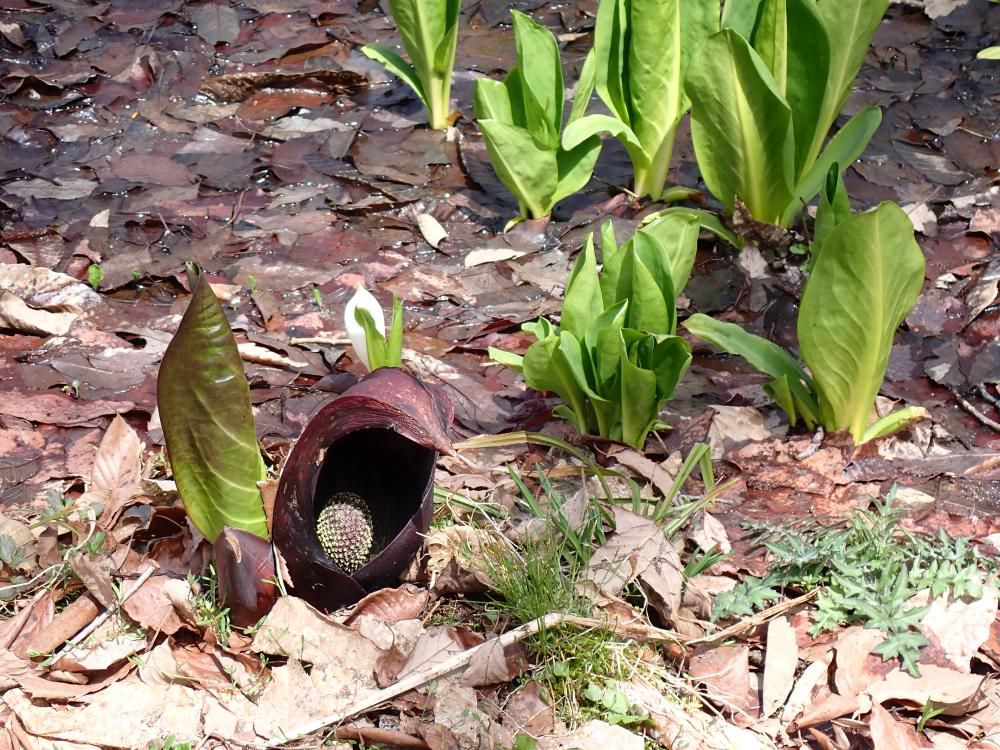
{"type": "Point", "coordinates": [439, 96]}
{"type": "Point", "coordinates": [652, 178]}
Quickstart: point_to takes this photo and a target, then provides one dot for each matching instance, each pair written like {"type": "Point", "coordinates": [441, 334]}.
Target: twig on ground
{"type": "Point", "coordinates": [971, 409]}
{"type": "Point", "coordinates": [813, 446]}
{"type": "Point", "coordinates": [452, 663]}
{"type": "Point", "coordinates": [103, 617]}
{"type": "Point", "coordinates": [757, 620]}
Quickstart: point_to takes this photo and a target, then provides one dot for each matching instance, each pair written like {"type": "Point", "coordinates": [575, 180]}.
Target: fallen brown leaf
{"type": "Point", "coordinates": [889, 734]}
{"type": "Point", "coordinates": [781, 659]}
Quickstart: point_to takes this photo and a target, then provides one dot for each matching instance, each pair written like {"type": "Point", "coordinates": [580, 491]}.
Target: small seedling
{"type": "Point", "coordinates": [95, 275]}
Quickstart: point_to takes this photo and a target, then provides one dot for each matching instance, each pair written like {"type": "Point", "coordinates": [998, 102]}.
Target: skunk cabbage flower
{"type": "Point", "coordinates": [357, 490]}
{"type": "Point", "coordinates": [365, 324]}
{"type": "Point", "coordinates": [363, 300]}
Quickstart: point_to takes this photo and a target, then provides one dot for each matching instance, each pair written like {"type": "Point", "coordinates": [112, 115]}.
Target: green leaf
{"type": "Point", "coordinates": [741, 16]}
{"type": "Point", "coordinates": [511, 360]}
{"type": "Point", "coordinates": [894, 422]}
{"type": "Point", "coordinates": [582, 301]}
{"type": "Point", "coordinates": [676, 233]}
{"type": "Point", "coordinates": [546, 369]}
{"type": "Point", "coordinates": [710, 222]}
{"type": "Point", "coordinates": [763, 354]}
{"type": "Point", "coordinates": [740, 127]}
{"type": "Point", "coordinates": [990, 53]}
{"type": "Point", "coordinates": [843, 149]}
{"type": "Point", "coordinates": [586, 127]}
{"type": "Point", "coordinates": [526, 168]}
{"type": "Point", "coordinates": [770, 40]}
{"type": "Point", "coordinates": [575, 168]}
{"type": "Point", "coordinates": [640, 404]}
{"type": "Point", "coordinates": [602, 344]}
{"type": "Point", "coordinates": [670, 360]}
{"type": "Point", "coordinates": [491, 101]}
{"type": "Point", "coordinates": [850, 26]}
{"type": "Point", "coordinates": [808, 59]}
{"type": "Point", "coordinates": [862, 286]}
{"type": "Point", "coordinates": [398, 67]}
{"type": "Point", "coordinates": [610, 31]}
{"type": "Point", "coordinates": [834, 207]}
{"type": "Point", "coordinates": [584, 89]}
{"type": "Point", "coordinates": [541, 76]}
{"type": "Point", "coordinates": [374, 340]}
{"type": "Point", "coordinates": [648, 310]}
{"type": "Point", "coordinates": [394, 341]}
{"type": "Point", "coordinates": [204, 404]}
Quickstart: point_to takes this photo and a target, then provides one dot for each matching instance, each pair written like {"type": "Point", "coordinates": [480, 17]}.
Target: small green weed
{"type": "Point", "coordinates": [867, 569]}
{"type": "Point", "coordinates": [207, 606]}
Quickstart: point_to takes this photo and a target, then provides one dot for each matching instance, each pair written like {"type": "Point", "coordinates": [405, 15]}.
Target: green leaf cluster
{"type": "Point", "coordinates": [383, 350]}
{"type": "Point", "coordinates": [429, 29]}
{"type": "Point", "coordinates": [867, 569]}
{"type": "Point", "coordinates": [765, 91]}
{"type": "Point", "coordinates": [521, 120]}
{"type": "Point", "coordinates": [866, 278]}
{"type": "Point", "coordinates": [615, 358]}
{"type": "Point", "coordinates": [204, 404]}
{"type": "Point", "coordinates": [643, 49]}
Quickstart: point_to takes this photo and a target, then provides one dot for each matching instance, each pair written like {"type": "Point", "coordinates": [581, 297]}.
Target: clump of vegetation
{"type": "Point", "coordinates": [615, 358]}
{"type": "Point", "coordinates": [867, 569]}
{"type": "Point", "coordinates": [537, 576]}
{"type": "Point", "coordinates": [863, 285]}
{"type": "Point", "coordinates": [429, 29]}
{"type": "Point", "coordinates": [521, 119]}
{"type": "Point", "coordinates": [642, 50]}
{"type": "Point", "coordinates": [765, 91]}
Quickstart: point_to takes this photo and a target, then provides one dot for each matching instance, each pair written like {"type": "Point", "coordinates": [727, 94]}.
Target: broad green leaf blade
{"type": "Point", "coordinates": [546, 369]}
{"type": "Point", "coordinates": [586, 127]}
{"type": "Point", "coordinates": [741, 16]}
{"type": "Point", "coordinates": [894, 422]}
{"type": "Point", "coordinates": [843, 149]}
{"type": "Point", "coordinates": [509, 359]}
{"type": "Point", "coordinates": [850, 26]}
{"type": "Point", "coordinates": [528, 170]}
{"type": "Point", "coordinates": [609, 48]}
{"type": "Point", "coordinates": [765, 355]}
{"type": "Point", "coordinates": [582, 301]}
{"type": "Point", "coordinates": [647, 310]}
{"type": "Point", "coordinates": [398, 67]}
{"type": "Point", "coordinates": [584, 88]}
{"type": "Point", "coordinates": [421, 25]}
{"type": "Point", "coordinates": [444, 55]}
{"type": "Point", "coordinates": [640, 404]}
{"type": "Point", "coordinates": [204, 404]}
{"type": "Point", "coordinates": [808, 69]}
{"type": "Point", "coordinates": [653, 69]}
{"type": "Point", "coordinates": [576, 167]}
{"type": "Point", "coordinates": [671, 358]}
{"type": "Point", "coordinates": [770, 40]}
{"type": "Point", "coordinates": [863, 285]}
{"type": "Point", "coordinates": [779, 390]}
{"type": "Point", "coordinates": [676, 233]}
{"type": "Point", "coordinates": [602, 344]}
{"type": "Point", "coordinates": [710, 222]}
{"type": "Point", "coordinates": [572, 349]}
{"type": "Point", "coordinates": [990, 53]}
{"type": "Point", "coordinates": [741, 127]}
{"type": "Point", "coordinates": [491, 101]}
{"type": "Point", "coordinates": [541, 77]}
